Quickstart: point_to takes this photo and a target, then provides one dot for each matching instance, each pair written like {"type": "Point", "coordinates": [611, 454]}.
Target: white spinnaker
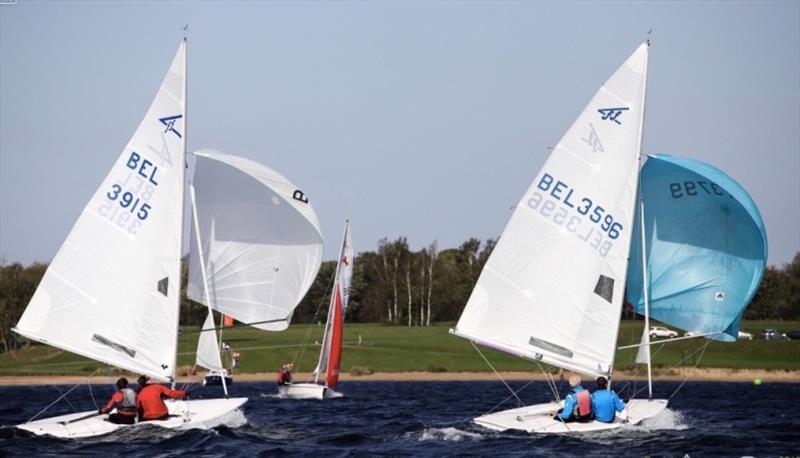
{"type": "Point", "coordinates": [208, 347]}
{"type": "Point", "coordinates": [552, 289]}
{"type": "Point", "coordinates": [342, 279]}
{"type": "Point", "coordinates": [111, 293]}
{"type": "Point", "coordinates": [261, 240]}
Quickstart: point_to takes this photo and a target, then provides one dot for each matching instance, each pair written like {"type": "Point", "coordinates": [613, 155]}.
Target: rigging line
{"type": "Point", "coordinates": [551, 385]}
{"type": "Point", "coordinates": [60, 397]}
{"type": "Point", "coordinates": [507, 398]}
{"type": "Point", "coordinates": [306, 339]}
{"type": "Point", "coordinates": [702, 352]}
{"type": "Point", "coordinates": [497, 373]}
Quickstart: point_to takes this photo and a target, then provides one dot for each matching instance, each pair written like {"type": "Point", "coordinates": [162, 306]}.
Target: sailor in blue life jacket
{"type": "Point", "coordinates": [577, 404]}
{"type": "Point", "coordinates": [605, 402]}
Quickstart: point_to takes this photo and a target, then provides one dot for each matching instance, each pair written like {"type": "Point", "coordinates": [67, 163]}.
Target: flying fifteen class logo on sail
{"type": "Point", "coordinates": [169, 122]}
{"type": "Point", "coordinates": [612, 114]}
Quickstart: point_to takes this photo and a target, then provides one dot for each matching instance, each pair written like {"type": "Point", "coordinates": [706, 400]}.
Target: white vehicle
{"type": "Point", "coordinates": [744, 335]}
{"type": "Point", "coordinates": [658, 331]}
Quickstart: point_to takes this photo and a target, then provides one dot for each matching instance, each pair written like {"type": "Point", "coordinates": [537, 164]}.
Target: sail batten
{"type": "Point", "coordinates": [551, 290]}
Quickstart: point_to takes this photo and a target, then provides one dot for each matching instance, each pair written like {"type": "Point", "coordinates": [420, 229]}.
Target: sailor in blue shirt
{"type": "Point", "coordinates": [605, 402]}
{"type": "Point", "coordinates": [577, 404]}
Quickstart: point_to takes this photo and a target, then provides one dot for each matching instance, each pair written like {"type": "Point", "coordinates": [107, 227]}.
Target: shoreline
{"type": "Point", "coordinates": [691, 374]}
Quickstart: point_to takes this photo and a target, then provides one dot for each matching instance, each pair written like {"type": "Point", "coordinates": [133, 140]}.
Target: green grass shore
{"type": "Point", "coordinates": [380, 348]}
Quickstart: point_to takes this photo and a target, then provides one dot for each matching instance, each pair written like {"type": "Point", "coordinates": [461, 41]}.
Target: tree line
{"type": "Point", "coordinates": [394, 285]}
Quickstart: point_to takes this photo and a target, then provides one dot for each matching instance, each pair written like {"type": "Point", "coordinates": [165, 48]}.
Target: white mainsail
{"type": "Point", "coordinates": [262, 246]}
{"type": "Point", "coordinates": [552, 290]}
{"type": "Point", "coordinates": [112, 291]}
{"type": "Point", "coordinates": [341, 284]}
{"type": "Point", "coordinates": [208, 346]}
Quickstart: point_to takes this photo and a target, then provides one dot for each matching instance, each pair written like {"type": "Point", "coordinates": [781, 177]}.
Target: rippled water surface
{"type": "Point", "coordinates": [428, 419]}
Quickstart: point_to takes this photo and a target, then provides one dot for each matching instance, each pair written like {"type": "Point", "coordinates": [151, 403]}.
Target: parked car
{"type": "Point", "coordinates": [658, 331]}
{"type": "Point", "coordinates": [773, 334]}
{"type": "Point", "coordinates": [794, 335]}
{"type": "Point", "coordinates": [744, 335]}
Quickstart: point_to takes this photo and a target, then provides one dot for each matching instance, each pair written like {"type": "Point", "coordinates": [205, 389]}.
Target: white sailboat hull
{"type": "Point", "coordinates": [538, 418]}
{"type": "Point", "coordinates": [200, 414]}
{"type": "Point", "coordinates": [306, 391]}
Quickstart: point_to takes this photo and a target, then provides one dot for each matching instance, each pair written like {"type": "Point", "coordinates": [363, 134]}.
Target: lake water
{"type": "Point", "coordinates": [428, 419]}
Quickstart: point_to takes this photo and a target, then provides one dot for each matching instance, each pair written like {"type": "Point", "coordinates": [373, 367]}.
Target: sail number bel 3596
{"type": "Point", "coordinates": [559, 202]}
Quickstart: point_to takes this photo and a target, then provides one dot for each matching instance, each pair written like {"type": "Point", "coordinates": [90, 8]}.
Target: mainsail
{"type": "Point", "coordinates": [111, 293]}
{"type": "Point", "coordinates": [261, 241]}
{"type": "Point", "coordinates": [330, 355]}
{"type": "Point", "coordinates": [552, 289]}
{"type": "Point", "coordinates": [699, 280]}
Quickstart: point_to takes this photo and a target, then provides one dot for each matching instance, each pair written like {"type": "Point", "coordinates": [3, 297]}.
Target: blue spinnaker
{"type": "Point", "coordinates": [706, 247]}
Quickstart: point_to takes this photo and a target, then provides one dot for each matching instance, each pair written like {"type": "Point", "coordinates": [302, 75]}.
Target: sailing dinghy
{"type": "Point", "coordinates": [552, 289]}
{"type": "Point", "coordinates": [209, 356]}
{"type": "Point", "coordinates": [112, 291]}
{"type": "Point", "coordinates": [705, 252]}
{"type": "Point", "coordinates": [330, 355]}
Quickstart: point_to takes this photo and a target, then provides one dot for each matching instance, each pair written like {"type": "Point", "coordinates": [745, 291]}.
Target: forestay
{"type": "Point", "coordinates": [111, 292]}
{"type": "Point", "coordinates": [700, 280]}
{"type": "Point", "coordinates": [330, 355]}
{"type": "Point", "coordinates": [261, 240]}
{"type": "Point", "coordinates": [552, 289]}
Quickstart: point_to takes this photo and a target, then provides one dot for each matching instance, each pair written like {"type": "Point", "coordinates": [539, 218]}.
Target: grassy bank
{"type": "Point", "coordinates": [379, 348]}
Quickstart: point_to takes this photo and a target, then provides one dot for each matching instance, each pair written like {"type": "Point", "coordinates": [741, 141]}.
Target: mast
{"type": "Point", "coordinates": [639, 186]}
{"type": "Point", "coordinates": [646, 335]}
{"type": "Point", "coordinates": [322, 351]}
{"type": "Point", "coordinates": [641, 214]}
{"type": "Point", "coordinates": [182, 175]}
{"type": "Point", "coordinates": [203, 272]}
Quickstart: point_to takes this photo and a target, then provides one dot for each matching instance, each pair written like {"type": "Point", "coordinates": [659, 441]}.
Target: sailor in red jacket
{"type": "Point", "coordinates": [149, 402]}
{"type": "Point", "coordinates": [125, 402]}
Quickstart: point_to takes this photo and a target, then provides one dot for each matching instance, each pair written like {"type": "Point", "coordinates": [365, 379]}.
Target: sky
{"type": "Point", "coordinates": [427, 120]}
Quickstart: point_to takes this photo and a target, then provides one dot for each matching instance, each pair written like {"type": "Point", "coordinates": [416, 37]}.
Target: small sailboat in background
{"type": "Point", "coordinates": [330, 355]}
{"type": "Point", "coordinates": [112, 291]}
{"type": "Point", "coordinates": [209, 349]}
{"type": "Point", "coordinates": [261, 249]}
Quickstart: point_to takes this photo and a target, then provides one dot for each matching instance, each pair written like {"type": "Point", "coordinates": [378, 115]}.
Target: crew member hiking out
{"type": "Point", "coordinates": [125, 402]}
{"type": "Point", "coordinates": [577, 404]}
{"type": "Point", "coordinates": [149, 402]}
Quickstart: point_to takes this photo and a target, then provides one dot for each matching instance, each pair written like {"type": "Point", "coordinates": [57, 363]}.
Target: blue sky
{"type": "Point", "coordinates": [419, 119]}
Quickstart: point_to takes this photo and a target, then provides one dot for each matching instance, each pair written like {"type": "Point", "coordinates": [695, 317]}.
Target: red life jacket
{"type": "Point", "coordinates": [583, 409]}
